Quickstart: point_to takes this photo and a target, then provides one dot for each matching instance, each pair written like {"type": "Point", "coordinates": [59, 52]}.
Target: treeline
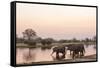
{"type": "Point", "coordinates": [30, 37]}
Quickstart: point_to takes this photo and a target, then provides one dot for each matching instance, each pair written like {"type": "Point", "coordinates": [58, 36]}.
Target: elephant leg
{"type": "Point", "coordinates": [78, 54]}
{"type": "Point", "coordinates": [63, 55]}
{"type": "Point", "coordinates": [70, 52]}
{"type": "Point", "coordinates": [82, 53]}
{"type": "Point", "coordinates": [73, 55]}
{"type": "Point", "coordinates": [57, 53]}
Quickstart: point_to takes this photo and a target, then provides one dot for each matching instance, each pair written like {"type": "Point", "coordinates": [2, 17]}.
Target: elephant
{"type": "Point", "coordinates": [59, 50]}
{"type": "Point", "coordinates": [76, 49]}
{"type": "Point", "coordinates": [70, 48]}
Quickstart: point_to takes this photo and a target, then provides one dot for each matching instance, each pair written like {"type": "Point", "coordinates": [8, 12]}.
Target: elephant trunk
{"type": "Point", "coordinates": [52, 53]}
{"type": "Point", "coordinates": [66, 49]}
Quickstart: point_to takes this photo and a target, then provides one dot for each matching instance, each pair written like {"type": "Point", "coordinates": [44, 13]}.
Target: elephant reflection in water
{"type": "Point", "coordinates": [58, 50]}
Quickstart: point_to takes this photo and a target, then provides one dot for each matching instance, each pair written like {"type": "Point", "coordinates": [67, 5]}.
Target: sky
{"type": "Point", "coordinates": [54, 21]}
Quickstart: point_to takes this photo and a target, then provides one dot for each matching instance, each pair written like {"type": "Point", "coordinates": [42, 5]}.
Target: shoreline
{"type": "Point", "coordinates": [22, 45]}
{"type": "Point", "coordinates": [83, 59]}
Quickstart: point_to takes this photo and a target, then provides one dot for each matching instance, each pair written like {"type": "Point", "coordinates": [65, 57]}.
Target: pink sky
{"type": "Point", "coordinates": [58, 22]}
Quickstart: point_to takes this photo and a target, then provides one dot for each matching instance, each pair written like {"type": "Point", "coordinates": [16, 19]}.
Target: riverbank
{"type": "Point", "coordinates": [83, 59]}
{"type": "Point", "coordinates": [22, 45]}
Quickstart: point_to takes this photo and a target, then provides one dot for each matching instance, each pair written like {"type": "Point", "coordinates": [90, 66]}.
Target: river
{"type": "Point", "coordinates": [27, 55]}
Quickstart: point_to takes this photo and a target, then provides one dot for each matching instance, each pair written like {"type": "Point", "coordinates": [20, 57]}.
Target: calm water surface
{"type": "Point", "coordinates": [27, 55]}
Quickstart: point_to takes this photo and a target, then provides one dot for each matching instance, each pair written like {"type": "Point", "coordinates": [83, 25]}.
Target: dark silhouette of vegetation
{"type": "Point", "coordinates": [62, 41]}
{"type": "Point", "coordinates": [68, 41]}
{"type": "Point", "coordinates": [75, 40]}
{"type": "Point", "coordinates": [29, 34]}
{"type": "Point", "coordinates": [43, 42]}
{"type": "Point", "coordinates": [47, 41]}
{"type": "Point", "coordinates": [32, 42]}
{"type": "Point", "coordinates": [38, 40]}
{"type": "Point", "coordinates": [30, 37]}
{"type": "Point", "coordinates": [94, 38]}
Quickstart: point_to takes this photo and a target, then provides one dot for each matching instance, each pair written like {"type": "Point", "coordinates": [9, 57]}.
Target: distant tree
{"type": "Point", "coordinates": [87, 40]}
{"type": "Point", "coordinates": [82, 40]}
{"type": "Point", "coordinates": [49, 41]}
{"type": "Point", "coordinates": [38, 40]}
{"type": "Point", "coordinates": [31, 42]}
{"type": "Point", "coordinates": [43, 42]}
{"type": "Point", "coordinates": [74, 40]}
{"type": "Point", "coordinates": [19, 40]}
{"type": "Point", "coordinates": [29, 34]}
{"type": "Point", "coordinates": [62, 41]}
{"type": "Point", "coordinates": [94, 38]}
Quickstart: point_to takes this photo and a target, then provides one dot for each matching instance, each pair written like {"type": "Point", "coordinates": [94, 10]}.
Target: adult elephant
{"type": "Point", "coordinates": [59, 49]}
{"type": "Point", "coordinates": [76, 49]}
{"type": "Point", "coordinates": [70, 48]}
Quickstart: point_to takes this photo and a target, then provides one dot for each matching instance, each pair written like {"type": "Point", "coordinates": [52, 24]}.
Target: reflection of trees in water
{"type": "Point", "coordinates": [29, 55]}
{"type": "Point", "coordinates": [87, 45]}
{"type": "Point", "coordinates": [94, 46]}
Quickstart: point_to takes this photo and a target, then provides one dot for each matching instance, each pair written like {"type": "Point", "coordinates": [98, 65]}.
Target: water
{"type": "Point", "coordinates": [27, 55]}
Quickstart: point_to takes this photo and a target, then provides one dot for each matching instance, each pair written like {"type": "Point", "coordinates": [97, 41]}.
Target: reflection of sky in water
{"type": "Point", "coordinates": [37, 55]}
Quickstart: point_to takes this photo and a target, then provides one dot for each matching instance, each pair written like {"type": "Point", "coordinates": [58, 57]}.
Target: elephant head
{"type": "Point", "coordinates": [59, 49]}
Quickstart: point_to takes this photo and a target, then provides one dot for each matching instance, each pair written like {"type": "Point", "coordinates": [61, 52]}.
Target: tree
{"type": "Point", "coordinates": [94, 38]}
{"type": "Point", "coordinates": [32, 42]}
{"type": "Point", "coordinates": [62, 41]}
{"type": "Point", "coordinates": [47, 41]}
{"type": "Point", "coordinates": [87, 40]}
{"type": "Point", "coordinates": [29, 34]}
{"type": "Point", "coordinates": [38, 40]}
{"type": "Point", "coordinates": [43, 42]}
{"type": "Point", "coordinates": [74, 40]}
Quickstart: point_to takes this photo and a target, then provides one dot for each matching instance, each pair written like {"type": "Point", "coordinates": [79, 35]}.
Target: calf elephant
{"type": "Point", "coordinates": [59, 50]}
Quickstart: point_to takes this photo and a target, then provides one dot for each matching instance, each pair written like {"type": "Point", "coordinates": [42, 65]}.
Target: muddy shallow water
{"type": "Point", "coordinates": [27, 55]}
